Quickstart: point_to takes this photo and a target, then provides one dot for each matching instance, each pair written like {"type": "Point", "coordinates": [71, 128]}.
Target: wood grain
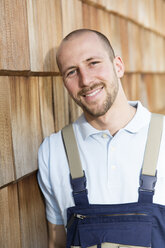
{"type": "Point", "coordinates": [14, 43]}
{"type": "Point", "coordinates": [135, 55]}
{"type": "Point", "coordinates": [32, 214]}
{"type": "Point", "coordinates": [135, 88]}
{"type": "Point", "coordinates": [61, 104]}
{"type": "Point", "coordinates": [151, 14]}
{"type": "Point", "coordinates": [74, 110]}
{"type": "Point", "coordinates": [31, 107]}
{"type": "Point", "coordinates": [90, 17]}
{"type": "Point", "coordinates": [159, 53]}
{"type": "Point", "coordinates": [155, 91]}
{"type": "Point", "coordinates": [9, 213]}
{"type": "Point", "coordinates": [46, 105]}
{"type": "Point", "coordinates": [71, 15]}
{"type": "Point", "coordinates": [6, 150]}
{"type": "Point", "coordinates": [115, 34]}
{"type": "Point", "coordinates": [142, 8]}
{"type": "Point", "coordinates": [159, 15]}
{"type": "Point", "coordinates": [96, 19]}
{"type": "Point", "coordinates": [149, 51]}
{"type": "Point", "coordinates": [131, 85]}
{"type": "Point", "coordinates": [26, 125]}
{"type": "Point", "coordinates": [45, 33]}
{"type": "Point", "coordinates": [148, 13]}
{"type": "Point", "coordinates": [124, 43]}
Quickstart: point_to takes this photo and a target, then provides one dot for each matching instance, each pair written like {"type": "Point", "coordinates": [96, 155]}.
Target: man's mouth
{"type": "Point", "coordinates": [93, 93]}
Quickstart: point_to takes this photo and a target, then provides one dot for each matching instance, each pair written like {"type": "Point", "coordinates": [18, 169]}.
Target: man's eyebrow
{"type": "Point", "coordinates": [74, 67]}
{"type": "Point", "coordinates": [69, 68]}
{"type": "Point", "coordinates": [91, 58]}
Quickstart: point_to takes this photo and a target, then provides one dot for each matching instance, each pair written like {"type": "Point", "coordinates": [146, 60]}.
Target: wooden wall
{"type": "Point", "coordinates": [33, 102]}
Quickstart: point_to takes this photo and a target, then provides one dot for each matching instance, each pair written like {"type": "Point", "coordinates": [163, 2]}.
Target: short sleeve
{"type": "Point", "coordinates": [53, 213]}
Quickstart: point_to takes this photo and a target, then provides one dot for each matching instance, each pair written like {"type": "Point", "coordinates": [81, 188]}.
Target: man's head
{"type": "Point", "coordinates": [90, 70]}
{"type": "Point", "coordinates": [103, 39]}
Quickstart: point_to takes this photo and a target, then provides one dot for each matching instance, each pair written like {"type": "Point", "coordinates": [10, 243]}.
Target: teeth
{"type": "Point", "coordinates": [93, 93]}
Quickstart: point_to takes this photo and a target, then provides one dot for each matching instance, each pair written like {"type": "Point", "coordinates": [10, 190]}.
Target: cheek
{"type": "Point", "coordinates": [104, 73]}
{"type": "Point", "coordinates": [71, 88]}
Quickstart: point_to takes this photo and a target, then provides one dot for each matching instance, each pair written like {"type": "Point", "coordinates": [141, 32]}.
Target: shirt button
{"type": "Point", "coordinates": [104, 135]}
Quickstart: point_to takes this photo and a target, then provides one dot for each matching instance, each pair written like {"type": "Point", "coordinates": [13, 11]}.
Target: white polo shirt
{"type": "Point", "coordinates": [112, 165]}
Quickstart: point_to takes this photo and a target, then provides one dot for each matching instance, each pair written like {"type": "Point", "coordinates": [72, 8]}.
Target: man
{"type": "Point", "coordinates": [111, 133]}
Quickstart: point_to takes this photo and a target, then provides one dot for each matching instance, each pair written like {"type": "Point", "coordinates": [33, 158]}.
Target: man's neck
{"type": "Point", "coordinates": [117, 117]}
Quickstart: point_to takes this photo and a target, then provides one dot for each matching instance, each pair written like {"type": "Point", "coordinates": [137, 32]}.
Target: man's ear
{"type": "Point", "coordinates": [119, 66]}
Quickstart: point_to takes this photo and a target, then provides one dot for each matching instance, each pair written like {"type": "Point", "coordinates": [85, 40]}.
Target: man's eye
{"type": "Point", "coordinates": [95, 62]}
{"type": "Point", "coordinates": [70, 73]}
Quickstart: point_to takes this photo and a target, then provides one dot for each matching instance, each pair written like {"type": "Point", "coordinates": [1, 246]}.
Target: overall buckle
{"type": "Point", "coordinates": [78, 184]}
{"type": "Point", "coordinates": [147, 183]}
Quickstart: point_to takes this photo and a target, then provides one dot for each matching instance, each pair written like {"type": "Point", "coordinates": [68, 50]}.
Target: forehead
{"type": "Point", "coordinates": [80, 47]}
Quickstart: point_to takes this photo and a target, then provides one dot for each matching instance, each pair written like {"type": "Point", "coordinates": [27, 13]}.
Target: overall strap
{"type": "Point", "coordinates": [148, 175]}
{"type": "Point", "coordinates": [77, 175]}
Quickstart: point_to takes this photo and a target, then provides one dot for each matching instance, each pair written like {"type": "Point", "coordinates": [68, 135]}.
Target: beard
{"type": "Point", "coordinates": [98, 111]}
{"type": "Point", "coordinates": [94, 109]}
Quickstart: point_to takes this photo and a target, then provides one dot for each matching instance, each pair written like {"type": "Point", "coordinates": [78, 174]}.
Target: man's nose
{"type": "Point", "coordinates": [85, 77]}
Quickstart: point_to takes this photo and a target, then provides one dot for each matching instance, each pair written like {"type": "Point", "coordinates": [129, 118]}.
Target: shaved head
{"type": "Point", "coordinates": [103, 39]}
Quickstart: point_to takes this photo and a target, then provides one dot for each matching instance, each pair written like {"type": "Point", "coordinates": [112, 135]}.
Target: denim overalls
{"type": "Point", "coordinates": [139, 224]}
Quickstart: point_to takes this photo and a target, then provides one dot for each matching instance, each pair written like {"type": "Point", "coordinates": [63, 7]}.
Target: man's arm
{"type": "Point", "coordinates": [56, 236]}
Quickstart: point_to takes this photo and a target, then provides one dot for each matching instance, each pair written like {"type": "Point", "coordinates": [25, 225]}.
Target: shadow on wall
{"type": "Point", "coordinates": [54, 105]}
{"type": "Point", "coordinates": [50, 66]}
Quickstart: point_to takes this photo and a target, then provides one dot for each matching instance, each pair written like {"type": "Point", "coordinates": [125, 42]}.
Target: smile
{"type": "Point", "coordinates": [93, 93]}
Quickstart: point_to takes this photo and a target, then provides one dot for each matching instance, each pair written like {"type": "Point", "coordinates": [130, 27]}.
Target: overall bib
{"type": "Point", "coordinates": [138, 225]}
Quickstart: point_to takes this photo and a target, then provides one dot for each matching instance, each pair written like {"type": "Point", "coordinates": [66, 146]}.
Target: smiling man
{"type": "Point", "coordinates": [111, 134]}
{"type": "Point", "coordinates": [92, 77]}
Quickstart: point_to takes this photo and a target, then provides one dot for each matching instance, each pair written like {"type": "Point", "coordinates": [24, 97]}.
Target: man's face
{"type": "Point", "coordinates": [88, 73]}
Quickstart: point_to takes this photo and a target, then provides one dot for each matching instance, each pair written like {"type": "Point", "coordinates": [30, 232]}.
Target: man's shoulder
{"type": "Point", "coordinates": [53, 139]}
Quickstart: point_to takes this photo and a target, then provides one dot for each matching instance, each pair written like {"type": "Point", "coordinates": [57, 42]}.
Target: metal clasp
{"type": "Point", "coordinates": [147, 183]}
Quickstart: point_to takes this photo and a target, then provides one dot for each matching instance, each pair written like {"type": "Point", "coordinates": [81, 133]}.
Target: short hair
{"type": "Point", "coordinates": [106, 43]}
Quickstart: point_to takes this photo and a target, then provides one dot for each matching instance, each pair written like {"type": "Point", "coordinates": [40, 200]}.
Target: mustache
{"type": "Point", "coordinates": [86, 89]}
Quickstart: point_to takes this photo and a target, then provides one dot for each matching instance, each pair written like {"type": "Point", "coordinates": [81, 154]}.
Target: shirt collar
{"type": "Point", "coordinates": [140, 119]}
{"type": "Point", "coordinates": [86, 129]}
